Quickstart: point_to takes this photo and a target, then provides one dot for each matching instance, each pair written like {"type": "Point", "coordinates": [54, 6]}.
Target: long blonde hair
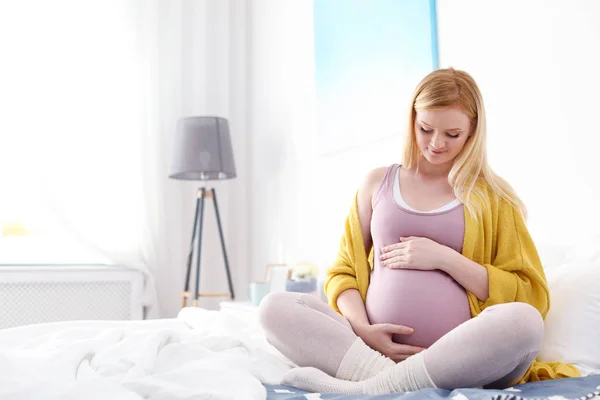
{"type": "Point", "coordinates": [445, 88]}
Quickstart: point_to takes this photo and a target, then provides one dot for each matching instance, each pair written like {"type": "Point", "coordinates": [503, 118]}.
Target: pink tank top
{"type": "Point", "coordinates": [430, 302]}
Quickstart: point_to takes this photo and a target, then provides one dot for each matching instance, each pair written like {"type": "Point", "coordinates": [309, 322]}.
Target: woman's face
{"type": "Point", "coordinates": [441, 134]}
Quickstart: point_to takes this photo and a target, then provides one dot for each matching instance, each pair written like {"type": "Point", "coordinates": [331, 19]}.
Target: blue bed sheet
{"type": "Point", "coordinates": [586, 388]}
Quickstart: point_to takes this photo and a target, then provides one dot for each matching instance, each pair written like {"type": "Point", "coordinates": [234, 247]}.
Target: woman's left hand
{"type": "Point", "coordinates": [414, 253]}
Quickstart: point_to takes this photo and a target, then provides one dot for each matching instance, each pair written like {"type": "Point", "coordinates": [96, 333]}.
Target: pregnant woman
{"type": "Point", "coordinates": [452, 293]}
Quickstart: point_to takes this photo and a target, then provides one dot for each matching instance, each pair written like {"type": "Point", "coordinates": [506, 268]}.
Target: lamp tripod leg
{"type": "Point", "coordinates": [190, 255]}
{"type": "Point", "coordinates": [229, 281]}
{"type": "Point", "coordinates": [198, 255]}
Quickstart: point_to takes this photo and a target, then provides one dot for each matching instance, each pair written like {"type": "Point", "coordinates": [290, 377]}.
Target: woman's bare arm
{"type": "Point", "coordinates": [349, 301]}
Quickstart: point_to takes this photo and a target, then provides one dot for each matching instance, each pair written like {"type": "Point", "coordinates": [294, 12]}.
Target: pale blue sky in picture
{"type": "Point", "coordinates": [369, 56]}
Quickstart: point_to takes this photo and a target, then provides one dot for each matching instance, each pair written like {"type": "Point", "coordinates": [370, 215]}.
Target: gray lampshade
{"type": "Point", "coordinates": [202, 150]}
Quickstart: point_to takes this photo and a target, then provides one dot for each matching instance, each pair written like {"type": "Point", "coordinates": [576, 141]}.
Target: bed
{"type": "Point", "coordinates": [203, 354]}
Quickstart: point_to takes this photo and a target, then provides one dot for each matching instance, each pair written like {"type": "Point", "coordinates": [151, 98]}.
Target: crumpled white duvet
{"type": "Point", "coordinates": [200, 354]}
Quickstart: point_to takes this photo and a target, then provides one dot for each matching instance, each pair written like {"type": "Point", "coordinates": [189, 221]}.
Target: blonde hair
{"type": "Point", "coordinates": [446, 88]}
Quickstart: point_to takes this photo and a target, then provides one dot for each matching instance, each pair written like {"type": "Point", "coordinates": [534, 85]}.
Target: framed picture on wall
{"type": "Point", "coordinates": [369, 56]}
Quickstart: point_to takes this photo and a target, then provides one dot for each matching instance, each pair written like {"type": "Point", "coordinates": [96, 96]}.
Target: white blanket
{"type": "Point", "coordinates": [200, 354]}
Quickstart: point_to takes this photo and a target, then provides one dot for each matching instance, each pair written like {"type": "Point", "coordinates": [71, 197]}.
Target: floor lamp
{"type": "Point", "coordinates": [203, 152]}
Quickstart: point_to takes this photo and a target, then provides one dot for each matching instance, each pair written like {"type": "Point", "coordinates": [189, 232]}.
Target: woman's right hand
{"type": "Point", "coordinates": [379, 337]}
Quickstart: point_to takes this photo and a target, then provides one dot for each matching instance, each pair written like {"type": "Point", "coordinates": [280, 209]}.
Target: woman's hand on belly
{"type": "Point", "coordinates": [414, 253]}
{"type": "Point", "coordinates": [379, 337]}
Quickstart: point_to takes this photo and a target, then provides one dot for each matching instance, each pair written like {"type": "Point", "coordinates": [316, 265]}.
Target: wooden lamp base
{"type": "Point", "coordinates": [190, 295]}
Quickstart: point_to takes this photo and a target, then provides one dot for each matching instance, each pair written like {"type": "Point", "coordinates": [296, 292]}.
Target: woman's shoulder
{"type": "Point", "coordinates": [372, 181]}
{"type": "Point", "coordinates": [375, 176]}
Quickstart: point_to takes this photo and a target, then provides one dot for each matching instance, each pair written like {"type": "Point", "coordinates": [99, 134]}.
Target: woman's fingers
{"type": "Point", "coordinates": [395, 265]}
{"type": "Point", "coordinates": [396, 247]}
{"type": "Point", "coordinates": [403, 351]}
{"type": "Point", "coordinates": [395, 262]}
{"type": "Point", "coordinates": [399, 329]}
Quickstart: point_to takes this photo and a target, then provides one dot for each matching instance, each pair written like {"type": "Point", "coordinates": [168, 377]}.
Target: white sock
{"type": "Point", "coordinates": [407, 376]}
{"type": "Point", "coordinates": [362, 362]}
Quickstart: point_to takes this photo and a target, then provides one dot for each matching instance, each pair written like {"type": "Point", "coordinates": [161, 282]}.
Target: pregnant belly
{"type": "Point", "coordinates": [430, 302]}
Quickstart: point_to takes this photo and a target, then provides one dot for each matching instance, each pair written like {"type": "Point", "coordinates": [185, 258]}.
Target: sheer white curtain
{"type": "Point", "coordinates": [82, 164]}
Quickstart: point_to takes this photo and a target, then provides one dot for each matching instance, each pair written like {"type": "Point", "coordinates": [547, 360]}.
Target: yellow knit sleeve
{"type": "Point", "coordinates": [339, 278]}
{"type": "Point", "coordinates": [351, 268]}
{"type": "Point", "coordinates": [515, 273]}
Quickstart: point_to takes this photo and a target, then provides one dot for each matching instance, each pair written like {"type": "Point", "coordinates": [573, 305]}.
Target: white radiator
{"type": "Point", "coordinates": [36, 294]}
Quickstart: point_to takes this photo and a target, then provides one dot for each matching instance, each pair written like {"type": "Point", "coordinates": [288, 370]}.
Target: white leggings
{"type": "Point", "coordinates": [492, 350]}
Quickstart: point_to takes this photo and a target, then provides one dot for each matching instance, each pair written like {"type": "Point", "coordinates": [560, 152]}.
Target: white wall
{"type": "Point", "coordinates": [537, 63]}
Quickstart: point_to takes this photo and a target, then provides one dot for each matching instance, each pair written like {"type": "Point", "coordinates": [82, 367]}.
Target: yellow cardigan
{"type": "Point", "coordinates": [497, 239]}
